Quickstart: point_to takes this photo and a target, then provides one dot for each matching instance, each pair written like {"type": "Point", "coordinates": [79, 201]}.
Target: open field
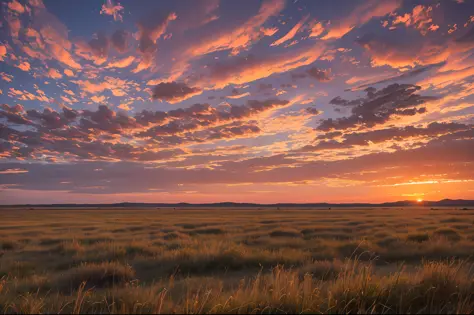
{"type": "Point", "coordinates": [237, 260]}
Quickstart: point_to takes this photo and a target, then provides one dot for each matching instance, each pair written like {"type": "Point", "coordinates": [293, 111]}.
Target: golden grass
{"type": "Point", "coordinates": [236, 261]}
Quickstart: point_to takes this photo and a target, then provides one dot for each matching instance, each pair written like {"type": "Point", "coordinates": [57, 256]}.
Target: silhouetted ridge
{"type": "Point", "coordinates": [404, 203]}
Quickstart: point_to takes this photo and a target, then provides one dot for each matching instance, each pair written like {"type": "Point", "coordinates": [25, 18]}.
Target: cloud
{"type": "Point", "coordinates": [174, 92]}
{"type": "Point", "coordinates": [315, 73]}
{"type": "Point", "coordinates": [320, 75]}
{"type": "Point", "coordinates": [6, 77]}
{"type": "Point", "coordinates": [398, 53]}
{"type": "Point", "coordinates": [119, 40]}
{"type": "Point", "coordinates": [313, 111]}
{"type": "Point", "coordinates": [96, 50]}
{"type": "Point", "coordinates": [378, 107]}
{"type": "Point", "coordinates": [203, 12]}
{"type": "Point", "coordinates": [88, 134]}
{"type": "Point", "coordinates": [452, 157]}
{"type": "Point", "coordinates": [16, 6]}
{"type": "Point", "coordinates": [433, 130]}
{"type": "Point", "coordinates": [54, 74]}
{"type": "Point", "coordinates": [3, 52]}
{"type": "Point", "coordinates": [291, 33]}
{"type": "Point", "coordinates": [24, 65]}
{"type": "Point", "coordinates": [54, 42]}
{"type": "Point", "coordinates": [240, 38]}
{"type": "Point", "coordinates": [359, 16]}
{"type": "Point", "coordinates": [110, 8]}
{"type": "Point", "coordinates": [116, 86]}
{"type": "Point", "coordinates": [121, 63]}
{"type": "Point", "coordinates": [149, 31]}
{"type": "Point", "coordinates": [13, 171]}
{"type": "Point", "coordinates": [269, 31]}
{"type": "Point", "coordinates": [405, 75]}
{"type": "Point", "coordinates": [247, 69]}
{"type": "Point", "coordinates": [420, 18]}
{"type": "Point", "coordinates": [68, 72]}
{"type": "Point", "coordinates": [317, 29]}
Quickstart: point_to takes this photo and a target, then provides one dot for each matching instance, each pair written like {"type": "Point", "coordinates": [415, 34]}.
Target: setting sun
{"type": "Point", "coordinates": [419, 200]}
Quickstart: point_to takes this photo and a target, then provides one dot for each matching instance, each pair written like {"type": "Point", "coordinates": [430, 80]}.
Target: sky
{"type": "Point", "coordinates": [246, 101]}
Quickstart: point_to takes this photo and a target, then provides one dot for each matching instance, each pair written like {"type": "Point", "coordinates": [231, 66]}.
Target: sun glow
{"type": "Point", "coordinates": [419, 200]}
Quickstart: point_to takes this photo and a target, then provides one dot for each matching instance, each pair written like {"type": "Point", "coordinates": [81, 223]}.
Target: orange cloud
{"type": "Point", "coordinates": [54, 74]}
{"type": "Point", "coordinates": [16, 6]}
{"type": "Point", "coordinates": [68, 72]}
{"type": "Point", "coordinates": [361, 15]}
{"type": "Point", "coordinates": [122, 63]}
{"type": "Point", "coordinates": [13, 171]}
{"type": "Point", "coordinates": [248, 69]}
{"type": "Point", "coordinates": [269, 31]}
{"type": "Point", "coordinates": [148, 34]}
{"type": "Point", "coordinates": [6, 77]}
{"type": "Point", "coordinates": [402, 54]}
{"type": "Point", "coordinates": [110, 8]}
{"type": "Point", "coordinates": [241, 38]}
{"type": "Point", "coordinates": [3, 52]}
{"type": "Point", "coordinates": [239, 95]}
{"type": "Point", "coordinates": [174, 92]}
{"type": "Point", "coordinates": [288, 36]}
{"type": "Point", "coordinates": [25, 66]}
{"type": "Point", "coordinates": [420, 18]}
{"type": "Point", "coordinates": [317, 29]}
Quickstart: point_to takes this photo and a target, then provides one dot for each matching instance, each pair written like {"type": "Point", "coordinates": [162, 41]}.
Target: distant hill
{"type": "Point", "coordinates": [405, 203]}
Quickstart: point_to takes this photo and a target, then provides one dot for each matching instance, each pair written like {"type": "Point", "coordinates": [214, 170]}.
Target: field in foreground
{"type": "Point", "coordinates": [355, 260]}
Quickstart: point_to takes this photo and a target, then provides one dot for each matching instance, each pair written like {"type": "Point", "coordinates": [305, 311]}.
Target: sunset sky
{"type": "Point", "coordinates": [246, 101]}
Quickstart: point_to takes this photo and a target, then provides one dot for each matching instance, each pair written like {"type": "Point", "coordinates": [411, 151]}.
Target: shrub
{"type": "Point", "coordinates": [323, 269]}
{"type": "Point", "coordinates": [96, 275]}
{"type": "Point", "coordinates": [285, 233]}
{"type": "Point", "coordinates": [418, 237]}
{"type": "Point", "coordinates": [447, 233]}
{"type": "Point", "coordinates": [9, 245]}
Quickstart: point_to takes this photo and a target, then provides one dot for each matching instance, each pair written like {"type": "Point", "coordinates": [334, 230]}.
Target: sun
{"type": "Point", "coordinates": [419, 200]}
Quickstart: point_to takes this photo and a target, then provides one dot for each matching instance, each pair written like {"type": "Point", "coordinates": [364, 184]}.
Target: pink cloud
{"type": "Point", "coordinates": [292, 33]}
{"type": "Point", "coordinates": [242, 37]}
{"type": "Point", "coordinates": [24, 65]}
{"type": "Point", "coordinates": [3, 51]}
{"type": "Point", "coordinates": [110, 8]}
{"type": "Point", "coordinates": [361, 15]}
{"type": "Point", "coordinates": [54, 74]}
{"type": "Point", "coordinates": [16, 6]}
{"type": "Point", "coordinates": [121, 63]}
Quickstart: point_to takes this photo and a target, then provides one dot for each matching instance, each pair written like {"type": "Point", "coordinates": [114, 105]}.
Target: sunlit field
{"type": "Point", "coordinates": [379, 260]}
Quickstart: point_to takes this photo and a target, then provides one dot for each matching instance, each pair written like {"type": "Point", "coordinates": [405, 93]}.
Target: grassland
{"type": "Point", "coordinates": [412, 260]}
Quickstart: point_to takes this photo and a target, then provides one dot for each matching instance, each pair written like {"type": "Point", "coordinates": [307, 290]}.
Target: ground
{"type": "Point", "coordinates": [240, 260]}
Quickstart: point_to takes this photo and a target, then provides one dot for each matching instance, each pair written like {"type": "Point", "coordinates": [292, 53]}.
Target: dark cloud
{"type": "Point", "coordinates": [434, 130]}
{"type": "Point", "coordinates": [151, 28]}
{"type": "Point", "coordinates": [403, 76]}
{"type": "Point", "coordinates": [434, 158]}
{"type": "Point", "coordinates": [320, 75]}
{"type": "Point", "coordinates": [100, 45]}
{"type": "Point", "coordinates": [313, 111]}
{"type": "Point", "coordinates": [97, 134]}
{"type": "Point", "coordinates": [119, 40]}
{"type": "Point", "coordinates": [173, 92]}
{"type": "Point", "coordinates": [14, 114]}
{"type": "Point", "coordinates": [378, 107]}
{"type": "Point", "coordinates": [263, 87]}
{"type": "Point", "coordinates": [315, 73]}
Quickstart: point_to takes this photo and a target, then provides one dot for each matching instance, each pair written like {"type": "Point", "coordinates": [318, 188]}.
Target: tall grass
{"type": "Point", "coordinates": [237, 261]}
{"type": "Point", "coordinates": [435, 287]}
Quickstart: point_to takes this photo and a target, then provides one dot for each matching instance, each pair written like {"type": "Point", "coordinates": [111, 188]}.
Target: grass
{"type": "Point", "coordinates": [237, 261]}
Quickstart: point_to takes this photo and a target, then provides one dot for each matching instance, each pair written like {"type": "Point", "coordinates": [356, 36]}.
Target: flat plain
{"type": "Point", "coordinates": [239, 260]}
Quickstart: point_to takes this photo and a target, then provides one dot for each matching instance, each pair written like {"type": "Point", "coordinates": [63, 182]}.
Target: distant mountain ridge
{"type": "Point", "coordinates": [405, 203]}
